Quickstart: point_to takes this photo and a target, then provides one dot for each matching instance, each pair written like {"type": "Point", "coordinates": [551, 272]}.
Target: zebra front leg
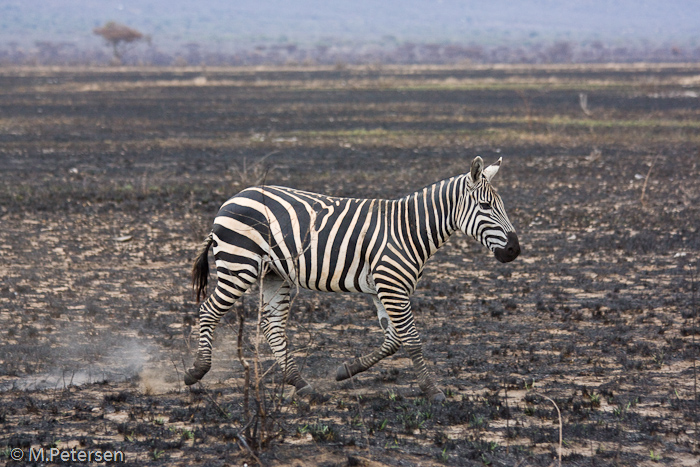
{"type": "Point", "coordinates": [399, 310]}
{"type": "Point", "coordinates": [391, 344]}
{"type": "Point", "coordinates": [425, 378]}
{"type": "Point", "coordinates": [274, 322]}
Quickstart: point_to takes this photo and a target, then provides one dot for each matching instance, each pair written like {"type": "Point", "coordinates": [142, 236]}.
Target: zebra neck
{"type": "Point", "coordinates": [431, 215]}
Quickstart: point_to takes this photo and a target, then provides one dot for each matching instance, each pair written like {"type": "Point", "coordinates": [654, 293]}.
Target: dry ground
{"type": "Point", "coordinates": [110, 178]}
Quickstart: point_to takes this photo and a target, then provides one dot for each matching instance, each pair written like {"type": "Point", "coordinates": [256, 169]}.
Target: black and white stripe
{"type": "Point", "coordinates": [371, 246]}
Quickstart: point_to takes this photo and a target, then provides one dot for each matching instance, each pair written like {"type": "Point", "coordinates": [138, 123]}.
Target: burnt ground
{"type": "Point", "coordinates": [110, 178]}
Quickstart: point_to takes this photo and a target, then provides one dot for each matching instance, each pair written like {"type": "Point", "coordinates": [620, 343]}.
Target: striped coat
{"type": "Point", "coordinates": [318, 242]}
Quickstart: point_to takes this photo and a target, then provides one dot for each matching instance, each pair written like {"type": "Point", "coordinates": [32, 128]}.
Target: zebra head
{"type": "Point", "coordinates": [482, 214]}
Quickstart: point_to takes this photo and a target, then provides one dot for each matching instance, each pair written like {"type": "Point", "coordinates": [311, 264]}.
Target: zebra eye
{"type": "Point", "coordinates": [485, 206]}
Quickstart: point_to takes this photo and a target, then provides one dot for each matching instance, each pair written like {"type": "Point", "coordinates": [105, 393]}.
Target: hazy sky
{"type": "Point", "coordinates": [173, 23]}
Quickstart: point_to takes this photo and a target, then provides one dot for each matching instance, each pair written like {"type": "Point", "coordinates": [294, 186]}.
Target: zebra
{"type": "Point", "coordinates": [378, 247]}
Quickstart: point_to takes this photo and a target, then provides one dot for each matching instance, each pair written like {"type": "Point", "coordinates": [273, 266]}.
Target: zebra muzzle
{"type": "Point", "coordinates": [509, 252]}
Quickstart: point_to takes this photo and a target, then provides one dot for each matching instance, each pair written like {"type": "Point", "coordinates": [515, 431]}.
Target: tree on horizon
{"type": "Point", "coordinates": [119, 36]}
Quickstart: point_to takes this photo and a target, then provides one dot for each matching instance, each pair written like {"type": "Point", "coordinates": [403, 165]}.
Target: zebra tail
{"type": "Point", "coordinates": [200, 269]}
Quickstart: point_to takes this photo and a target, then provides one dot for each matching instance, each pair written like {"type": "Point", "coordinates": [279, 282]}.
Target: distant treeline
{"type": "Point", "coordinates": [194, 54]}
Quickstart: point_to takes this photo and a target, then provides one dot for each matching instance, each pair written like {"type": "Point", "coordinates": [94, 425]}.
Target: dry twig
{"type": "Point", "coordinates": [646, 179]}
{"type": "Point", "coordinates": [561, 425]}
{"type": "Point", "coordinates": [246, 373]}
{"type": "Point", "coordinates": [694, 312]}
{"type": "Point", "coordinates": [583, 102]}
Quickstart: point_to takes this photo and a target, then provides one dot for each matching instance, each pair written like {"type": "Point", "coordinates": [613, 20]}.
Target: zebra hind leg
{"type": "Point", "coordinates": [391, 344]}
{"type": "Point", "coordinates": [276, 301]}
{"type": "Point", "coordinates": [210, 313]}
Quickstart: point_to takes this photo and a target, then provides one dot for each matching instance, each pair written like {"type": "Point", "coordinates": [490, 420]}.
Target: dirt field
{"type": "Point", "coordinates": [110, 178]}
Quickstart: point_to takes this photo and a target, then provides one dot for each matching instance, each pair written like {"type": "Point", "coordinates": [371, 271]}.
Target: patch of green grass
{"type": "Point", "coordinates": [376, 426]}
{"type": "Point", "coordinates": [411, 421]}
{"type": "Point", "coordinates": [612, 123]}
{"type": "Point", "coordinates": [653, 456]}
{"type": "Point", "coordinates": [443, 456]}
{"type": "Point", "coordinates": [479, 422]}
{"type": "Point", "coordinates": [319, 431]}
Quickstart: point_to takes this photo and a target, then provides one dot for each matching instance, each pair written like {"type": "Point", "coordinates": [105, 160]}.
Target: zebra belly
{"type": "Point", "coordinates": [330, 277]}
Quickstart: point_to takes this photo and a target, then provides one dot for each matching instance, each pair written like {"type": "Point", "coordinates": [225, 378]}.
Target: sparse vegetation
{"type": "Point", "coordinates": [653, 456]}
{"type": "Point", "coordinates": [157, 454]}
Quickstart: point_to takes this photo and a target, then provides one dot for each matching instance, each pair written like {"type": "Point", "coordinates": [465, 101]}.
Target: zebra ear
{"type": "Point", "coordinates": [477, 169]}
{"type": "Point", "coordinates": [491, 170]}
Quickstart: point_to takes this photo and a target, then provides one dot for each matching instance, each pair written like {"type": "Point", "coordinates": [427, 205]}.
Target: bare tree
{"type": "Point", "coordinates": [119, 36]}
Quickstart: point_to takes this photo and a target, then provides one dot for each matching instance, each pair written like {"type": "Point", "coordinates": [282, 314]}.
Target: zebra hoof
{"type": "Point", "coordinates": [318, 398]}
{"type": "Point", "coordinates": [343, 372]}
{"type": "Point", "coordinates": [189, 379]}
{"type": "Point", "coordinates": [347, 370]}
{"type": "Point", "coordinates": [439, 397]}
{"type": "Point", "coordinates": [305, 390]}
{"type": "Point", "coordinates": [195, 374]}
